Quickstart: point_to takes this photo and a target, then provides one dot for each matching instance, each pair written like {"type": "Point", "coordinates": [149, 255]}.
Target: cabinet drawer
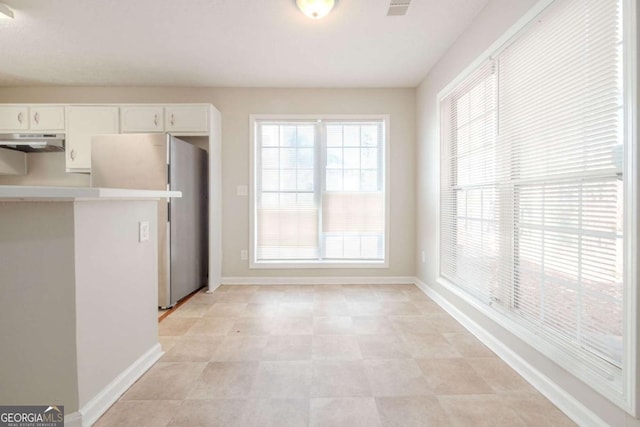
{"type": "Point", "coordinates": [141, 119]}
{"type": "Point", "coordinates": [187, 119]}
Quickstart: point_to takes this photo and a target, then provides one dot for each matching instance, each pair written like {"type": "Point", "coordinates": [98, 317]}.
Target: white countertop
{"type": "Point", "coordinates": [20, 192]}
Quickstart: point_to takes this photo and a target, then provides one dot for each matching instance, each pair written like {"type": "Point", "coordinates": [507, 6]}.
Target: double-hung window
{"type": "Point", "coordinates": [318, 194]}
{"type": "Point", "coordinates": [532, 206]}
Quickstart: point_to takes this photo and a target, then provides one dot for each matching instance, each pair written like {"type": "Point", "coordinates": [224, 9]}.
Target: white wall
{"type": "Point", "coordinates": [497, 17]}
{"type": "Point", "coordinates": [236, 105]}
{"type": "Point", "coordinates": [37, 318]}
{"type": "Point", "coordinates": [46, 169]}
{"type": "Point", "coordinates": [71, 323]}
{"type": "Point", "coordinates": [116, 308]}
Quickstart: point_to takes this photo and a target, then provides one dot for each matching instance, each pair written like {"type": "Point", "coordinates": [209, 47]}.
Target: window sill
{"type": "Point", "coordinates": [317, 264]}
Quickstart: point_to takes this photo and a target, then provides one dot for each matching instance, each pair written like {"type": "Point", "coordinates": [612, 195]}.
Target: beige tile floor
{"type": "Point", "coordinates": [325, 356]}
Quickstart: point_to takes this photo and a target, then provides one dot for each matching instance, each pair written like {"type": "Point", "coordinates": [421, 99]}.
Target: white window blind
{"type": "Point", "coordinates": [532, 185]}
{"type": "Point", "coordinates": [319, 191]}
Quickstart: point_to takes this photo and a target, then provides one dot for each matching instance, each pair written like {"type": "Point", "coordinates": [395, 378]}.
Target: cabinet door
{"type": "Point", "coordinates": [14, 118]}
{"type": "Point", "coordinates": [82, 124]}
{"type": "Point", "coordinates": [141, 119]}
{"type": "Point", "coordinates": [50, 117]}
{"type": "Point", "coordinates": [187, 119]}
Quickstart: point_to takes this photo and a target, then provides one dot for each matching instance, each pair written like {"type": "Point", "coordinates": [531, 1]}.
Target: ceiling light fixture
{"type": "Point", "coordinates": [5, 12]}
{"type": "Point", "coordinates": [316, 9]}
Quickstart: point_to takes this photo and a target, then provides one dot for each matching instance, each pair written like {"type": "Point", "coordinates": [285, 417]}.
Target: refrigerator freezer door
{"type": "Point", "coordinates": [138, 161]}
{"type": "Point", "coordinates": [187, 217]}
{"type": "Point", "coordinates": [129, 161]}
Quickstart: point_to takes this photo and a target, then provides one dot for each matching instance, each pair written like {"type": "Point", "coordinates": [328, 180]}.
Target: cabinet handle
{"type": "Point", "coordinates": [172, 121]}
{"type": "Point", "coordinates": [72, 154]}
{"type": "Point", "coordinates": [20, 118]}
{"type": "Point", "coordinates": [155, 120]}
{"type": "Point", "coordinates": [36, 118]}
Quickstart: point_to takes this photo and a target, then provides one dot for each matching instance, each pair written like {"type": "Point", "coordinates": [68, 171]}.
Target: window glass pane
{"type": "Point", "coordinates": [351, 180]}
{"type": "Point", "coordinates": [287, 212]}
{"type": "Point", "coordinates": [306, 200]}
{"type": "Point", "coordinates": [370, 248]}
{"type": "Point", "coordinates": [351, 136]}
{"type": "Point", "coordinates": [306, 136]}
{"type": "Point", "coordinates": [270, 135]}
{"type": "Point", "coordinates": [333, 247]}
{"type": "Point", "coordinates": [305, 180]}
{"type": "Point", "coordinates": [369, 135]}
{"type": "Point", "coordinates": [369, 158]}
{"type": "Point", "coordinates": [462, 110]}
{"type": "Point", "coordinates": [269, 201]}
{"type": "Point", "coordinates": [270, 181]}
{"type": "Point", "coordinates": [334, 158]}
{"type": "Point", "coordinates": [334, 180]}
{"type": "Point", "coordinates": [288, 137]}
{"type": "Point", "coordinates": [305, 158]}
{"type": "Point", "coordinates": [352, 247]}
{"type": "Point", "coordinates": [476, 101]}
{"type": "Point", "coordinates": [462, 142]}
{"type": "Point", "coordinates": [288, 158]}
{"type": "Point", "coordinates": [287, 180]}
{"type": "Point", "coordinates": [270, 158]}
{"type": "Point", "coordinates": [288, 200]}
{"type": "Point", "coordinates": [369, 180]}
{"type": "Point", "coordinates": [531, 218]}
{"type": "Point", "coordinates": [351, 158]}
{"type": "Point", "coordinates": [334, 136]}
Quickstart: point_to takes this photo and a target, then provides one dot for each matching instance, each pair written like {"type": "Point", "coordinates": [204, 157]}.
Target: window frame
{"type": "Point", "coordinates": [321, 152]}
{"type": "Point", "coordinates": [629, 398]}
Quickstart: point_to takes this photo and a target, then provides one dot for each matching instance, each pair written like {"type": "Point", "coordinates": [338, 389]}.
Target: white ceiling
{"type": "Point", "coordinates": [253, 43]}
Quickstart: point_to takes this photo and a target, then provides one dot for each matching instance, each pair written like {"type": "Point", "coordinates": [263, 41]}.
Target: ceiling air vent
{"type": "Point", "coordinates": [398, 7]}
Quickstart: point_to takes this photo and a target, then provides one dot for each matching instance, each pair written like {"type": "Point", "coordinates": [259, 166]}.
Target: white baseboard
{"type": "Point", "coordinates": [74, 419]}
{"type": "Point", "coordinates": [97, 406]}
{"type": "Point", "coordinates": [574, 409]}
{"type": "Point", "coordinates": [210, 288]}
{"type": "Point", "coordinates": [318, 280]}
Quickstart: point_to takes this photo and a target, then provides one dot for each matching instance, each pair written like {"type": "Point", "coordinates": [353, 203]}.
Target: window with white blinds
{"type": "Point", "coordinates": [319, 191]}
{"type": "Point", "coordinates": [532, 206]}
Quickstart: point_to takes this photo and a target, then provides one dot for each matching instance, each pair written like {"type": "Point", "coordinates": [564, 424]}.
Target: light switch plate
{"type": "Point", "coordinates": [143, 231]}
{"type": "Point", "coordinates": [243, 190]}
{"type": "Point", "coordinates": [244, 255]}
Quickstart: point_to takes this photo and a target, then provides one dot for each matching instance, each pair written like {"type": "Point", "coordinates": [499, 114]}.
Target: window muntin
{"type": "Point", "coordinates": [319, 191]}
{"type": "Point", "coordinates": [287, 219]}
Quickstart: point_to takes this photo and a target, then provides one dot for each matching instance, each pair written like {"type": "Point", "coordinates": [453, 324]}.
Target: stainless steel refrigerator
{"type": "Point", "coordinates": [162, 162]}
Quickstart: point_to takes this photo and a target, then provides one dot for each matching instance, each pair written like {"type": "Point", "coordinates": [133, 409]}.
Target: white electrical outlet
{"type": "Point", "coordinates": [244, 254]}
{"type": "Point", "coordinates": [143, 231]}
{"type": "Point", "coordinates": [423, 257]}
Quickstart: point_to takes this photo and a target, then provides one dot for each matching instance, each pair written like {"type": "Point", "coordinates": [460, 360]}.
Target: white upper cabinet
{"type": "Point", "coordinates": [84, 122]}
{"type": "Point", "coordinates": [176, 119]}
{"type": "Point", "coordinates": [187, 119]}
{"type": "Point", "coordinates": [47, 117]}
{"type": "Point", "coordinates": [18, 118]}
{"type": "Point", "coordinates": [14, 118]}
{"type": "Point", "coordinates": [141, 118]}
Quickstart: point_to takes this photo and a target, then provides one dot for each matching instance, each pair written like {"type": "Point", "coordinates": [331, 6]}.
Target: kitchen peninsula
{"type": "Point", "coordinates": [78, 273]}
